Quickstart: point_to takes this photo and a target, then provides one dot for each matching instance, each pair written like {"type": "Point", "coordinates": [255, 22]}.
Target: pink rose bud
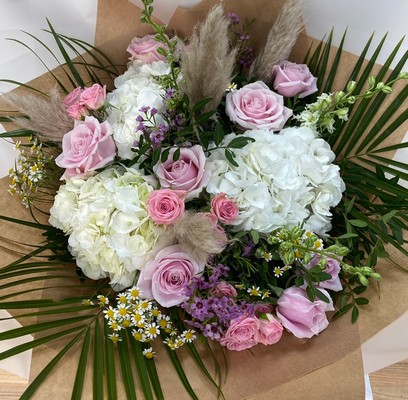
{"type": "Point", "coordinates": [292, 79]}
{"type": "Point", "coordinates": [241, 333]}
{"type": "Point", "coordinates": [77, 111]}
{"type": "Point", "coordinates": [332, 268]}
{"type": "Point", "coordinates": [255, 106]}
{"type": "Point", "coordinates": [93, 97]}
{"type": "Point", "coordinates": [225, 209]}
{"type": "Point", "coordinates": [270, 330]}
{"type": "Point", "coordinates": [165, 206]}
{"type": "Point", "coordinates": [299, 315]}
{"type": "Point", "coordinates": [87, 147]}
{"type": "Point", "coordinates": [73, 97]}
{"type": "Point", "coordinates": [145, 49]}
{"type": "Point", "coordinates": [188, 173]}
{"type": "Point", "coordinates": [223, 289]}
{"type": "Point", "coordinates": [165, 278]}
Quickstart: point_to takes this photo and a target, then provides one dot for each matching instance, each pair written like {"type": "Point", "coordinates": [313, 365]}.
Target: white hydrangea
{"type": "Point", "coordinates": [281, 180]}
{"type": "Point", "coordinates": [137, 87]}
{"type": "Point", "coordinates": [110, 232]}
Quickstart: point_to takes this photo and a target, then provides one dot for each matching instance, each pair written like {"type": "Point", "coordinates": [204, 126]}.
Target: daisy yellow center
{"type": "Point", "coordinates": [153, 330]}
{"type": "Point", "coordinates": [134, 293]}
{"type": "Point", "coordinates": [189, 335]}
{"type": "Point", "coordinates": [122, 312]}
{"type": "Point", "coordinates": [138, 336]}
{"type": "Point", "coordinates": [122, 299]}
{"type": "Point", "coordinates": [110, 313]}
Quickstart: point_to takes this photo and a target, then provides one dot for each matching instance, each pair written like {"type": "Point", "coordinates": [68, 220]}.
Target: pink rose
{"type": "Point", "coordinates": [270, 330]}
{"type": "Point", "coordinates": [77, 111]}
{"type": "Point", "coordinates": [187, 173]}
{"type": "Point", "coordinates": [333, 268]}
{"type": "Point", "coordinates": [263, 308]}
{"type": "Point", "coordinates": [165, 206]}
{"type": "Point", "coordinates": [255, 106]}
{"type": "Point", "coordinates": [241, 333]}
{"type": "Point", "coordinates": [225, 209]}
{"type": "Point", "coordinates": [292, 79]}
{"type": "Point", "coordinates": [301, 316]}
{"type": "Point", "coordinates": [223, 289]}
{"type": "Point", "coordinates": [145, 49]}
{"type": "Point", "coordinates": [87, 147]}
{"type": "Point", "coordinates": [165, 278]}
{"type": "Point", "coordinates": [93, 97]}
{"type": "Point", "coordinates": [73, 97]}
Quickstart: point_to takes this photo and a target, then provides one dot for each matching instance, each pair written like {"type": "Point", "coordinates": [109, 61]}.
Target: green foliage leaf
{"type": "Point", "coordinates": [229, 155]}
{"type": "Point", "coordinates": [354, 314]}
{"type": "Point", "coordinates": [239, 142]}
{"type": "Point", "coordinates": [80, 375]}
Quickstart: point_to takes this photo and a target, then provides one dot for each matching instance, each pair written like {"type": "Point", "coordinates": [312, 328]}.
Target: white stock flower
{"type": "Point", "coordinates": [283, 179]}
{"type": "Point", "coordinates": [110, 232]}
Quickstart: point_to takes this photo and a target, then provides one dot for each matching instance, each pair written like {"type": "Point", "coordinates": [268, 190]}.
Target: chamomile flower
{"type": "Point", "coordinates": [152, 330]}
{"type": "Point", "coordinates": [266, 294]}
{"type": "Point", "coordinates": [189, 335]}
{"type": "Point", "coordinates": [254, 291]}
{"type": "Point", "coordinates": [102, 300]}
{"type": "Point", "coordinates": [122, 298]}
{"type": "Point", "coordinates": [138, 335]}
{"type": "Point", "coordinates": [123, 311]}
{"type": "Point", "coordinates": [267, 256]}
{"type": "Point", "coordinates": [170, 343]}
{"type": "Point", "coordinates": [134, 293]}
{"type": "Point", "coordinates": [164, 321]}
{"type": "Point", "coordinates": [278, 271]}
{"type": "Point", "coordinates": [232, 87]}
{"type": "Point", "coordinates": [137, 318]}
{"type": "Point", "coordinates": [114, 325]}
{"type": "Point", "coordinates": [87, 302]}
{"type": "Point", "coordinates": [114, 337]}
{"type": "Point", "coordinates": [148, 353]}
{"type": "Point", "coordinates": [110, 313]}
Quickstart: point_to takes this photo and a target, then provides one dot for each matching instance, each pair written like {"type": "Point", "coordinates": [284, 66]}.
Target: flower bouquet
{"type": "Point", "coordinates": [213, 200]}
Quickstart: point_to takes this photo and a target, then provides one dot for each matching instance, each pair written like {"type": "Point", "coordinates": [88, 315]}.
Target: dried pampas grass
{"type": "Point", "coordinates": [46, 116]}
{"type": "Point", "coordinates": [281, 39]}
{"type": "Point", "coordinates": [207, 62]}
{"type": "Point", "coordinates": [198, 236]}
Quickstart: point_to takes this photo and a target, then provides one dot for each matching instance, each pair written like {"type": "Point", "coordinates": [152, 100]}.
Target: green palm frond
{"type": "Point", "coordinates": [364, 146]}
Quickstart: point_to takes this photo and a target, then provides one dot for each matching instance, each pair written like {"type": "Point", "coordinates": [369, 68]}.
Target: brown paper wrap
{"type": "Point", "coordinates": [327, 366]}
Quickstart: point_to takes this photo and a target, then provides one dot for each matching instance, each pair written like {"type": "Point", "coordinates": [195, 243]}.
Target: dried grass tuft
{"type": "Point", "coordinates": [46, 116]}
{"type": "Point", "coordinates": [198, 236]}
{"type": "Point", "coordinates": [207, 62]}
{"type": "Point", "coordinates": [281, 39]}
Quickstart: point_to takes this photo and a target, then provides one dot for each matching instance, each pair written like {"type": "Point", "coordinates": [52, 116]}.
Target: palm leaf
{"type": "Point", "coordinates": [357, 144]}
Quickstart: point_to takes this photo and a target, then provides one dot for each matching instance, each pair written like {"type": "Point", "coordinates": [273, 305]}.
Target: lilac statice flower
{"type": "Point", "coordinates": [234, 18]}
{"type": "Point", "coordinates": [248, 248]}
{"type": "Point", "coordinates": [169, 94]}
{"type": "Point", "coordinates": [212, 331]}
{"type": "Point", "coordinates": [144, 109]}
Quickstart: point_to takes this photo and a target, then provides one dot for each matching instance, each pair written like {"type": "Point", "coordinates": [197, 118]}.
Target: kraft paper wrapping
{"type": "Point", "coordinates": [327, 366]}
